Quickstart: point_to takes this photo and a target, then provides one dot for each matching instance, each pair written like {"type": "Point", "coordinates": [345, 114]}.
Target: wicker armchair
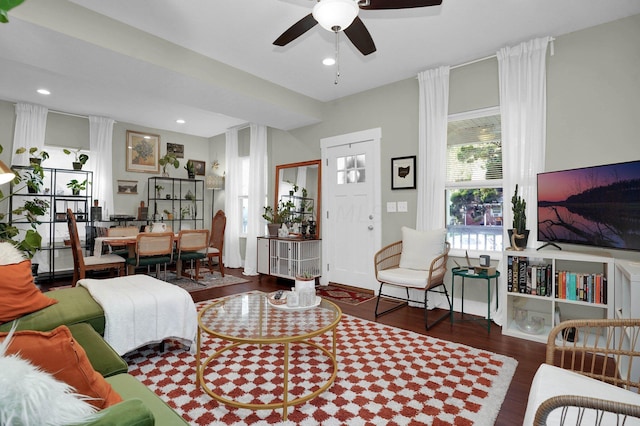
{"type": "Point", "coordinates": [388, 272]}
{"type": "Point", "coordinates": [606, 350]}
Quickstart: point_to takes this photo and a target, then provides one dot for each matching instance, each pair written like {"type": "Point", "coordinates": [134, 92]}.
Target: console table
{"type": "Point", "coordinates": [287, 257]}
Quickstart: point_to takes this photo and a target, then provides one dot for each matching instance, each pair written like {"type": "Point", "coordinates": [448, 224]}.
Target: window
{"type": "Point", "coordinates": [473, 187]}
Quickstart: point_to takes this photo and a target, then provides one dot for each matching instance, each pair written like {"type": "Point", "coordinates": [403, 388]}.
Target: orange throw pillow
{"type": "Point", "coordinates": [57, 353]}
{"type": "Point", "coordinates": [20, 296]}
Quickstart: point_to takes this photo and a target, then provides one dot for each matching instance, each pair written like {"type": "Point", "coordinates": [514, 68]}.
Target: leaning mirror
{"type": "Point", "coordinates": [297, 193]}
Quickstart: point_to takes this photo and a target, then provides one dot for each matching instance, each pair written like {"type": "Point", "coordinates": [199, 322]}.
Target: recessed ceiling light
{"type": "Point", "coordinates": [44, 92]}
{"type": "Point", "coordinates": [328, 61]}
{"type": "Point", "coordinates": [180, 121]}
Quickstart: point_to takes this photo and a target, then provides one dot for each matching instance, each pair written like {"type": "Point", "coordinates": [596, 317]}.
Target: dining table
{"type": "Point", "coordinates": [130, 243]}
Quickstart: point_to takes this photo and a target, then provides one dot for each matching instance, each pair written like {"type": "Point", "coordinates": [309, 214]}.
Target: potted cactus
{"type": "Point", "coordinates": [518, 234]}
{"type": "Point", "coordinates": [191, 169]}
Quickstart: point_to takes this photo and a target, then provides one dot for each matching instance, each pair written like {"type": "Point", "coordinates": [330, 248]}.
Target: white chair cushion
{"type": "Point", "coordinates": [552, 381]}
{"type": "Point", "coordinates": [212, 250]}
{"type": "Point", "coordinates": [104, 259]}
{"type": "Point", "coordinates": [403, 277]}
{"type": "Point", "coordinates": [419, 248]}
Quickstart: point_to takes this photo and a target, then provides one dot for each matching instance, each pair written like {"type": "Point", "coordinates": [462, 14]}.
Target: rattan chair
{"type": "Point", "coordinates": [122, 231]}
{"type": "Point", "coordinates": [606, 350]}
{"type": "Point", "coordinates": [389, 273]}
{"type": "Point", "coordinates": [153, 248]}
{"type": "Point", "coordinates": [218, 225]}
{"type": "Point", "coordinates": [192, 246]}
{"type": "Point", "coordinates": [82, 263]}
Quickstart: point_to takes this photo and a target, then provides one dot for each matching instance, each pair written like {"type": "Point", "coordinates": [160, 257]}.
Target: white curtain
{"type": "Point", "coordinates": [522, 75]}
{"type": "Point", "coordinates": [432, 157]}
{"type": "Point", "coordinates": [432, 147]}
{"type": "Point", "coordinates": [100, 144]}
{"type": "Point", "coordinates": [31, 124]}
{"type": "Point", "coordinates": [523, 104]}
{"type": "Point", "coordinates": [257, 193]}
{"type": "Point", "coordinates": [232, 206]}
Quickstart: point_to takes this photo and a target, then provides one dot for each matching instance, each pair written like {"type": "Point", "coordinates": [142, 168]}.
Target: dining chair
{"type": "Point", "coordinates": [153, 248]}
{"type": "Point", "coordinates": [122, 231]}
{"type": "Point", "coordinates": [82, 263]}
{"type": "Point", "coordinates": [218, 225]}
{"type": "Point", "coordinates": [192, 246]}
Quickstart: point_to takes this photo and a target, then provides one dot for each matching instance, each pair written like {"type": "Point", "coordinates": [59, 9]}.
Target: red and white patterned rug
{"type": "Point", "coordinates": [386, 376]}
{"type": "Point", "coordinates": [342, 294]}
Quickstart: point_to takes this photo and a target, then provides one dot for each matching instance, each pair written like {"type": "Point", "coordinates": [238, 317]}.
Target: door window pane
{"type": "Point", "coordinates": [350, 169]}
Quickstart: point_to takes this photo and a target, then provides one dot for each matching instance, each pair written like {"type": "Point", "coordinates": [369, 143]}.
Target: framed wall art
{"type": "Point", "coordinates": [200, 167]}
{"type": "Point", "coordinates": [403, 172]}
{"type": "Point", "coordinates": [175, 149]}
{"type": "Point", "coordinates": [143, 152]}
{"type": "Point", "coordinates": [127, 186]}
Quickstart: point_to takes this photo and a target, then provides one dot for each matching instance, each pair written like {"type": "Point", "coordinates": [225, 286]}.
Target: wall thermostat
{"type": "Point", "coordinates": [485, 260]}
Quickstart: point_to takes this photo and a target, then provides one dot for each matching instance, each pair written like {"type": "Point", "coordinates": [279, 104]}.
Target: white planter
{"type": "Point", "coordinates": [306, 291]}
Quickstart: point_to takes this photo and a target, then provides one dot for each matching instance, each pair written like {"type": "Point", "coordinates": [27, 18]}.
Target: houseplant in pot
{"type": "Point", "coordinates": [80, 160]}
{"type": "Point", "coordinates": [36, 156]}
{"type": "Point", "coordinates": [77, 186]}
{"type": "Point", "coordinates": [518, 234]}
{"type": "Point", "coordinates": [191, 169]}
{"type": "Point", "coordinates": [306, 289]}
{"type": "Point", "coordinates": [168, 159]}
{"type": "Point", "coordinates": [272, 216]}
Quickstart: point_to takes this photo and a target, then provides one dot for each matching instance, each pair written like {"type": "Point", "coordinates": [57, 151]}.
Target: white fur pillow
{"type": "Point", "coordinates": [31, 396]}
{"type": "Point", "coordinates": [9, 254]}
{"type": "Point", "coordinates": [419, 248]}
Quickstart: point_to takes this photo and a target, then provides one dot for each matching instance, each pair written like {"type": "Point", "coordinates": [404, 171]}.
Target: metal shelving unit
{"type": "Point", "coordinates": [182, 198]}
{"type": "Point", "coordinates": [53, 226]}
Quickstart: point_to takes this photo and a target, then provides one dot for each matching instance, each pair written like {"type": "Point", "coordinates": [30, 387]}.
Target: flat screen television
{"type": "Point", "coordinates": [597, 206]}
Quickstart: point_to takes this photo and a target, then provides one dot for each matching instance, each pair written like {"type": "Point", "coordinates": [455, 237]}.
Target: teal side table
{"type": "Point", "coordinates": [465, 273]}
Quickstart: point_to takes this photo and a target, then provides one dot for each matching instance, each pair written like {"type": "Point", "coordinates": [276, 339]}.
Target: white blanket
{"type": "Point", "coordinates": [141, 310]}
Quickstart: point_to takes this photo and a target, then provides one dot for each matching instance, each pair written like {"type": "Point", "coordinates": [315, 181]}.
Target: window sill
{"type": "Point", "coordinates": [475, 254]}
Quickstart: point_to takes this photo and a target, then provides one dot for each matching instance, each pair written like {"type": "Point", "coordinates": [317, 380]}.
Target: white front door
{"type": "Point", "coordinates": [351, 222]}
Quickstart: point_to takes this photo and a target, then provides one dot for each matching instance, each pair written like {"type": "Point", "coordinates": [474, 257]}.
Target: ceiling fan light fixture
{"type": "Point", "coordinates": [335, 15]}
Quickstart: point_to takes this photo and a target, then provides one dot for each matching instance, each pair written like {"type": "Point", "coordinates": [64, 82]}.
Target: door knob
{"type": "Point", "coordinates": [371, 216]}
{"type": "Point", "coordinates": [370, 227]}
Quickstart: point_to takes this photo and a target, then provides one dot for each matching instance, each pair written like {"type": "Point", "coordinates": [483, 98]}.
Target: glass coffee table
{"type": "Point", "coordinates": [251, 319]}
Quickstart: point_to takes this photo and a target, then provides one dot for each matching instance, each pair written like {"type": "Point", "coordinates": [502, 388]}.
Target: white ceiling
{"type": "Point", "coordinates": [221, 69]}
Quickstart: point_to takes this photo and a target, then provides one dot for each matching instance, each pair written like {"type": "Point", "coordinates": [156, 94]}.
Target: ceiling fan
{"type": "Point", "coordinates": [342, 15]}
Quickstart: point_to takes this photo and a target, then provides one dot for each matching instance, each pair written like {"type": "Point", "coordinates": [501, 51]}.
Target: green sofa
{"type": "Point", "coordinates": [85, 319]}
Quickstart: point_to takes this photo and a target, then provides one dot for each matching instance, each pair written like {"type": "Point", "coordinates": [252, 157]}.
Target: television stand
{"type": "Point", "coordinates": [549, 244]}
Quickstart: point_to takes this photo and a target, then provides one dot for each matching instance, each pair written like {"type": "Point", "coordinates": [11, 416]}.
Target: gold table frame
{"type": "Point", "coordinates": [230, 320]}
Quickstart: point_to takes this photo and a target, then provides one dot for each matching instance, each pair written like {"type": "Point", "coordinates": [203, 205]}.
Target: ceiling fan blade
{"type": "Point", "coordinates": [360, 37]}
{"type": "Point", "coordinates": [399, 4]}
{"type": "Point", "coordinates": [296, 30]}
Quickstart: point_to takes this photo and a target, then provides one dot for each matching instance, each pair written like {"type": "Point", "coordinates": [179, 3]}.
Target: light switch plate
{"type": "Point", "coordinates": [402, 206]}
{"type": "Point", "coordinates": [391, 207]}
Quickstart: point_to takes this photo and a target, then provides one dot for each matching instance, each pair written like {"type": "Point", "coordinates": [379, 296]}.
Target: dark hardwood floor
{"type": "Point", "coordinates": [472, 333]}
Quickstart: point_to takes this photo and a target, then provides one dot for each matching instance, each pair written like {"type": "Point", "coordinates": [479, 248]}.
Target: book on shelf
{"type": "Point", "coordinates": [510, 273]}
{"type": "Point", "coordinates": [591, 288]}
{"type": "Point", "coordinates": [537, 283]}
{"type": "Point", "coordinates": [522, 274]}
